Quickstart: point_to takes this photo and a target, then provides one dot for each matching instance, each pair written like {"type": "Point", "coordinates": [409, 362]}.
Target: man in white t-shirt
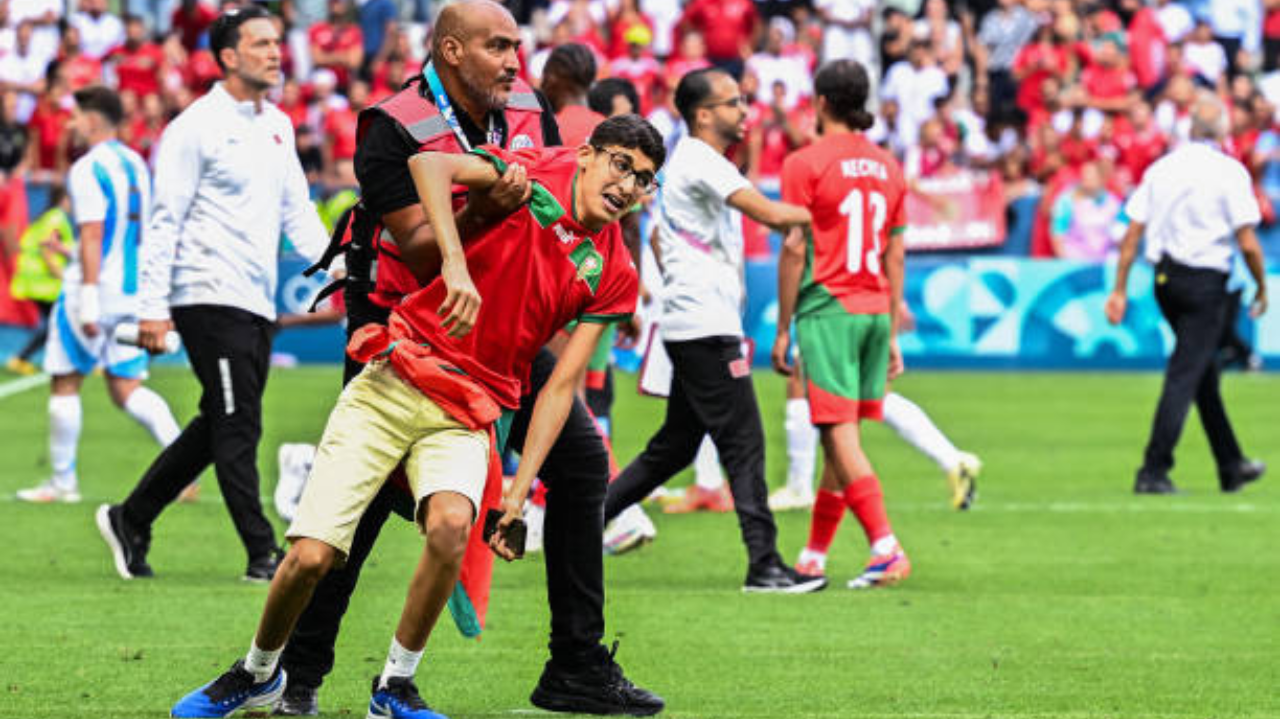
{"type": "Point", "coordinates": [23, 71]}
{"type": "Point", "coordinates": [699, 248]}
{"type": "Point", "coordinates": [110, 189]}
{"type": "Point", "coordinates": [915, 84]}
{"type": "Point", "coordinates": [1189, 226]}
{"type": "Point", "coordinates": [100, 31]}
{"type": "Point", "coordinates": [848, 33]}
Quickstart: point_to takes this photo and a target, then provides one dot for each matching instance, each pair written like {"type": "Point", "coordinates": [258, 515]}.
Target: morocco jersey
{"type": "Point", "coordinates": [536, 271]}
{"type": "Point", "coordinates": [857, 195]}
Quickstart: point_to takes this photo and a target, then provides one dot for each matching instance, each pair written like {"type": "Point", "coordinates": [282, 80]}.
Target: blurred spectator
{"type": "Point", "coordinates": [1039, 61]}
{"type": "Point", "coordinates": [895, 37]}
{"type": "Point", "coordinates": [938, 26]}
{"type": "Point", "coordinates": [931, 156]}
{"type": "Point", "coordinates": [915, 84]}
{"type": "Point", "coordinates": [292, 104]}
{"type": "Point", "coordinates": [340, 136]}
{"type": "Point", "coordinates": [377, 23]}
{"type": "Point", "coordinates": [1205, 56]}
{"type": "Point", "coordinates": [1004, 32]}
{"type": "Point", "coordinates": [139, 63]}
{"type": "Point", "coordinates": [1109, 84]}
{"type": "Point", "coordinates": [771, 67]}
{"type": "Point", "coordinates": [22, 71]}
{"type": "Point", "coordinates": [730, 29]}
{"type": "Point", "coordinates": [81, 69]}
{"type": "Point", "coordinates": [1237, 28]}
{"type": "Point", "coordinates": [337, 44]}
{"type": "Point", "coordinates": [566, 78]}
{"type": "Point", "coordinates": [614, 96]}
{"type": "Point", "coordinates": [1271, 36]}
{"type": "Point", "coordinates": [638, 66]}
{"type": "Point", "coordinates": [191, 20]}
{"type": "Point", "coordinates": [1264, 162]}
{"type": "Point", "coordinates": [43, 16]}
{"type": "Point", "coordinates": [848, 33]}
{"type": "Point", "coordinates": [774, 130]}
{"type": "Point", "coordinates": [665, 15]}
{"type": "Point", "coordinates": [1140, 143]}
{"type": "Point", "coordinates": [142, 130]}
{"type": "Point", "coordinates": [1084, 218]}
{"type": "Point", "coordinates": [1175, 20]}
{"type": "Point", "coordinates": [578, 21]}
{"type": "Point", "coordinates": [1146, 41]}
{"type": "Point", "coordinates": [100, 31]}
{"type": "Point", "coordinates": [691, 56]}
{"type": "Point", "coordinates": [1173, 113]}
{"type": "Point", "coordinates": [13, 137]}
{"type": "Point", "coordinates": [48, 126]}
{"type": "Point", "coordinates": [626, 24]}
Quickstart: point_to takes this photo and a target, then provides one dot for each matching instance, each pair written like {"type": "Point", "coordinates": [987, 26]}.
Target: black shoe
{"type": "Point", "coordinates": [298, 700]}
{"type": "Point", "coordinates": [778, 578]}
{"type": "Point", "coordinates": [598, 688]}
{"type": "Point", "coordinates": [263, 569]}
{"type": "Point", "coordinates": [1242, 473]}
{"type": "Point", "coordinates": [1147, 483]}
{"type": "Point", "coordinates": [128, 546]}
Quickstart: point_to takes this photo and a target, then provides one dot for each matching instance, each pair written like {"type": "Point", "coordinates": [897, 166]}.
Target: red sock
{"type": "Point", "coordinates": [866, 501]}
{"type": "Point", "coordinates": [828, 510]}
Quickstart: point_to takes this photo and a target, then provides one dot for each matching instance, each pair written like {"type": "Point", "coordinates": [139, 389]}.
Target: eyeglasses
{"type": "Point", "coordinates": [621, 167]}
{"type": "Point", "coordinates": [739, 101]}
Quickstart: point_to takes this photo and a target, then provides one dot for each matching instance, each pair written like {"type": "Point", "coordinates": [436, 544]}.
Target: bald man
{"type": "Point", "coordinates": [1190, 225]}
{"type": "Point", "coordinates": [472, 78]}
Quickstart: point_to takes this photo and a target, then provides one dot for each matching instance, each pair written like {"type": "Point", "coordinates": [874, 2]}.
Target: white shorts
{"type": "Point", "coordinates": [69, 351]}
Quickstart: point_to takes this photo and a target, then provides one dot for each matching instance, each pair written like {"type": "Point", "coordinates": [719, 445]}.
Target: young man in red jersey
{"type": "Point", "coordinates": [440, 375]}
{"type": "Point", "coordinates": [844, 286]}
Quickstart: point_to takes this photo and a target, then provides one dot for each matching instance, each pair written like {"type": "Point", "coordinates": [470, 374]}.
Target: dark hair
{"type": "Point", "coordinates": [634, 133]}
{"type": "Point", "coordinates": [225, 31]}
{"type": "Point", "coordinates": [600, 96]}
{"type": "Point", "coordinates": [572, 62]}
{"type": "Point", "coordinates": [101, 100]}
{"type": "Point", "coordinates": [693, 90]}
{"type": "Point", "coordinates": [845, 86]}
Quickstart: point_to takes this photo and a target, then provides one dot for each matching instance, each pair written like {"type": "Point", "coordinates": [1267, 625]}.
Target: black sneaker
{"type": "Point", "coordinates": [398, 699]}
{"type": "Point", "coordinates": [128, 546]}
{"type": "Point", "coordinates": [778, 578]}
{"type": "Point", "coordinates": [1242, 473]}
{"type": "Point", "coordinates": [1147, 483]}
{"type": "Point", "coordinates": [597, 688]}
{"type": "Point", "coordinates": [298, 700]}
{"type": "Point", "coordinates": [263, 569]}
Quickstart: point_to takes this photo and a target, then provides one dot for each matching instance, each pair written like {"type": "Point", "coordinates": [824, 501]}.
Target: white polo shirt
{"type": "Point", "coordinates": [700, 238]}
{"type": "Point", "coordinates": [1192, 201]}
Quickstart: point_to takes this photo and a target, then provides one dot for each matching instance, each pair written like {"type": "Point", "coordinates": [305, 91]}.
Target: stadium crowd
{"type": "Point", "coordinates": [1067, 101]}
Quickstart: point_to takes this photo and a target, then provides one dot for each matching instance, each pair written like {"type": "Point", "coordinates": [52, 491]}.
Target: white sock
{"type": "Point", "coordinates": [65, 418]}
{"type": "Point", "coordinates": [802, 445]}
{"type": "Point", "coordinates": [809, 556]}
{"type": "Point", "coordinates": [261, 663]}
{"type": "Point", "coordinates": [913, 425]}
{"type": "Point", "coordinates": [706, 466]}
{"type": "Point", "coordinates": [151, 411]}
{"type": "Point", "coordinates": [884, 545]}
{"type": "Point", "coordinates": [400, 662]}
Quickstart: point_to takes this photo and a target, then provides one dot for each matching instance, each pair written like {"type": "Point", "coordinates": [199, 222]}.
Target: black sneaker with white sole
{"type": "Point", "coordinates": [263, 569]}
{"type": "Point", "coordinates": [298, 700]}
{"type": "Point", "coordinates": [778, 578]}
{"type": "Point", "coordinates": [597, 687]}
{"type": "Point", "coordinates": [128, 546]}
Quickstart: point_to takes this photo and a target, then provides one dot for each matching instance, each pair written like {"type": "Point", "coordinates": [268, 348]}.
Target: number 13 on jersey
{"type": "Point", "coordinates": [856, 207]}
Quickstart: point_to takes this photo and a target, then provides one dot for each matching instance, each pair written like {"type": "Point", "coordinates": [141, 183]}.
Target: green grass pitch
{"type": "Point", "coordinates": [1060, 595]}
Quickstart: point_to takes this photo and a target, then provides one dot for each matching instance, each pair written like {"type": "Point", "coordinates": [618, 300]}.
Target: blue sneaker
{"type": "Point", "coordinates": [232, 691]}
{"type": "Point", "coordinates": [399, 699]}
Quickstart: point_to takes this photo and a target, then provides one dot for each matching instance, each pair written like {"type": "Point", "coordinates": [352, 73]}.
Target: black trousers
{"type": "Point", "coordinates": [230, 351]}
{"type": "Point", "coordinates": [576, 473]}
{"type": "Point", "coordinates": [1194, 301]}
{"type": "Point", "coordinates": [41, 333]}
{"type": "Point", "coordinates": [707, 398]}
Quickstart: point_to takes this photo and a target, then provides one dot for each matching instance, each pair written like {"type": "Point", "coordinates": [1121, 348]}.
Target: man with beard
{"type": "Point", "coordinates": [468, 95]}
{"type": "Point", "coordinates": [700, 252]}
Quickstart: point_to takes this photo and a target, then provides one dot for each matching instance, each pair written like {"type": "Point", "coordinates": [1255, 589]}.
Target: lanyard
{"type": "Point", "coordinates": [446, 110]}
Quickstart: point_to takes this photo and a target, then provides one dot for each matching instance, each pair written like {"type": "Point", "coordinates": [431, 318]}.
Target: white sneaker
{"type": "Point", "coordinates": [629, 530]}
{"type": "Point", "coordinates": [788, 498]}
{"type": "Point", "coordinates": [294, 460]}
{"type": "Point", "coordinates": [48, 493]}
{"type": "Point", "coordinates": [534, 518]}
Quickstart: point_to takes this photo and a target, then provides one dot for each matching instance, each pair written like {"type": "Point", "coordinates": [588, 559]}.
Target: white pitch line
{"type": "Point", "coordinates": [17, 386]}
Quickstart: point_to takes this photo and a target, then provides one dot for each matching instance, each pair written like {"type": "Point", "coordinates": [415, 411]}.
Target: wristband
{"type": "Point", "coordinates": [89, 311]}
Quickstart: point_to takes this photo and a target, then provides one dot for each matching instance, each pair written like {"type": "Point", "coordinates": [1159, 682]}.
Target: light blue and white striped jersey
{"type": "Point", "coordinates": [112, 185]}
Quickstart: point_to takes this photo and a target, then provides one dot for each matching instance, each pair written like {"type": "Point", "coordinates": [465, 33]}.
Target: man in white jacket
{"type": "Point", "coordinates": [228, 184]}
